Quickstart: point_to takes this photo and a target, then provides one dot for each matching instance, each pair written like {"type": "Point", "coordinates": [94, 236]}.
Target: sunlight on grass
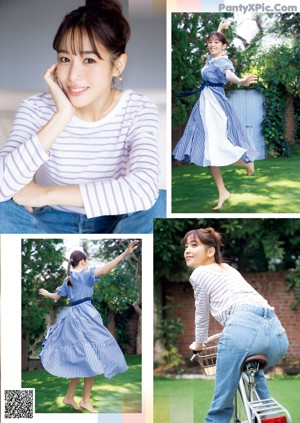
{"type": "Point", "coordinates": [120, 389]}
{"type": "Point", "coordinates": [274, 188]}
{"type": "Point", "coordinates": [284, 184]}
{"type": "Point", "coordinates": [122, 393]}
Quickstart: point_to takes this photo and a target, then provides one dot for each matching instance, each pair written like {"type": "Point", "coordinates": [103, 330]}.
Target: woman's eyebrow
{"type": "Point", "coordinates": [81, 52]}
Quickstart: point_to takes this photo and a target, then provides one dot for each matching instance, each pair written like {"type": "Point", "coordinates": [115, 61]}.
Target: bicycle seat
{"type": "Point", "coordinates": [260, 359]}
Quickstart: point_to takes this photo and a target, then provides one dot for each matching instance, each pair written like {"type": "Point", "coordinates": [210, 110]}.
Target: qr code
{"type": "Point", "coordinates": [19, 404]}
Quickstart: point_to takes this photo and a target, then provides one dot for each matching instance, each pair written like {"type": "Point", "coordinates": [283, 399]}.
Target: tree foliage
{"type": "Point", "coordinates": [120, 290]}
{"type": "Point", "coordinates": [251, 245]}
{"type": "Point", "coordinates": [42, 266]}
{"type": "Point", "coordinates": [277, 69]}
{"type": "Point", "coordinates": [189, 53]}
{"type": "Point", "coordinates": [275, 64]}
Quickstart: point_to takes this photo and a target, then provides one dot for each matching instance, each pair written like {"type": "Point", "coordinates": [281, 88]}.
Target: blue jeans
{"type": "Point", "coordinates": [16, 219]}
{"type": "Point", "coordinates": [249, 330]}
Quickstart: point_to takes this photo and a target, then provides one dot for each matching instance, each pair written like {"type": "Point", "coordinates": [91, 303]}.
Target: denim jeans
{"type": "Point", "coordinates": [249, 330]}
{"type": "Point", "coordinates": [16, 219]}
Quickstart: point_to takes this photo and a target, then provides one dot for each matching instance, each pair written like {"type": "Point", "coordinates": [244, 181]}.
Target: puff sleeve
{"type": "Point", "coordinates": [222, 65]}
{"type": "Point", "coordinates": [62, 290]}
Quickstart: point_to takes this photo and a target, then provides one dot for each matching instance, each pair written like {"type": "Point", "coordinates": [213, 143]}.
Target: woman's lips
{"type": "Point", "coordinates": [76, 91]}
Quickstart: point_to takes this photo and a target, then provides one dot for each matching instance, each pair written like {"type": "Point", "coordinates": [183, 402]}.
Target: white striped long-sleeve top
{"type": "Point", "coordinates": [114, 160]}
{"type": "Point", "coordinates": [218, 292]}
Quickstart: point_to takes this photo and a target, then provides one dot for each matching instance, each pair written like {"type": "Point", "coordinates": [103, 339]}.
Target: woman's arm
{"type": "Point", "coordinates": [224, 24]}
{"type": "Point", "coordinates": [112, 264]}
{"type": "Point", "coordinates": [34, 195]}
{"type": "Point", "coordinates": [202, 312]}
{"type": "Point", "coordinates": [247, 80]}
{"type": "Point", "coordinates": [33, 134]}
{"type": "Point", "coordinates": [53, 296]}
{"type": "Point", "coordinates": [136, 190]}
{"type": "Point", "coordinates": [64, 111]}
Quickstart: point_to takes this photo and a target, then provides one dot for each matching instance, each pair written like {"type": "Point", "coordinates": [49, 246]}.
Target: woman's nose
{"type": "Point", "coordinates": [75, 72]}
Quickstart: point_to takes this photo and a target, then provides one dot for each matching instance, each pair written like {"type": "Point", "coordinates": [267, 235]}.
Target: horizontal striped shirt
{"type": "Point", "coordinates": [114, 160]}
{"type": "Point", "coordinates": [218, 292]}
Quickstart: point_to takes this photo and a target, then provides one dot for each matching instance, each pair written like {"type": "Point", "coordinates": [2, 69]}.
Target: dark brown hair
{"type": "Point", "coordinates": [75, 258]}
{"type": "Point", "coordinates": [102, 21]}
{"type": "Point", "coordinates": [221, 37]}
{"type": "Point", "coordinates": [208, 237]}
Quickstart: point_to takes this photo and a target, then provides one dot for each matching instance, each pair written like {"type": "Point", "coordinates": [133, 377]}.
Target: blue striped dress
{"type": "Point", "coordinates": [79, 345]}
{"type": "Point", "coordinates": [214, 135]}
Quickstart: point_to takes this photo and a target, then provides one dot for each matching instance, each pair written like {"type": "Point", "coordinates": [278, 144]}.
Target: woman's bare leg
{"type": "Point", "coordinates": [69, 398]}
{"type": "Point", "coordinates": [223, 193]}
{"type": "Point", "coordinates": [86, 395]}
{"type": "Point", "coordinates": [249, 166]}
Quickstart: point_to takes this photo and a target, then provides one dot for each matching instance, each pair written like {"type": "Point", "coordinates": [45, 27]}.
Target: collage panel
{"type": "Point", "coordinates": [72, 333]}
{"type": "Point", "coordinates": [226, 307]}
{"type": "Point", "coordinates": [235, 137]}
{"type": "Point", "coordinates": [83, 119]}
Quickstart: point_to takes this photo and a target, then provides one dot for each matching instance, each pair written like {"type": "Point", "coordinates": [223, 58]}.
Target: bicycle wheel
{"type": "Point", "coordinates": [240, 413]}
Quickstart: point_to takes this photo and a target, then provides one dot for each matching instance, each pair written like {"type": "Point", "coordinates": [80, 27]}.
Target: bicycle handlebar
{"type": "Point", "coordinates": [209, 339]}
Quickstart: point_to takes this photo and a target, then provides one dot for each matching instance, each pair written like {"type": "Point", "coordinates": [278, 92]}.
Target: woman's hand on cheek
{"type": "Point", "coordinates": [32, 195]}
{"type": "Point", "coordinates": [63, 104]}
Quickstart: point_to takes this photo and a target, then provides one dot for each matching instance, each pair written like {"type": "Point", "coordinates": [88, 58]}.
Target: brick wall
{"type": "Point", "coordinates": [133, 331]}
{"type": "Point", "coordinates": [270, 285]}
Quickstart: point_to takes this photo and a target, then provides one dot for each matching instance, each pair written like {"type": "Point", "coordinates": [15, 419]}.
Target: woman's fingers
{"type": "Point", "coordinates": [62, 102]}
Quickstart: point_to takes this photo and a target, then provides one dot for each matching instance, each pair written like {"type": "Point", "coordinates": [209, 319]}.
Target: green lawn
{"type": "Point", "coordinates": [274, 188]}
{"type": "Point", "coordinates": [121, 394]}
{"type": "Point", "coordinates": [185, 400]}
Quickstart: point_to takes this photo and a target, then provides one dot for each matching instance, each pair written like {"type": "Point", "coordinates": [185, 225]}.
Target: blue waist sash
{"type": "Point", "coordinates": [201, 88]}
{"type": "Point", "coordinates": [73, 303]}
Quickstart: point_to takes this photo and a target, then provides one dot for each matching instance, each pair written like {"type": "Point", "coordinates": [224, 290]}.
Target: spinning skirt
{"type": "Point", "coordinates": [79, 345]}
{"type": "Point", "coordinates": [214, 135]}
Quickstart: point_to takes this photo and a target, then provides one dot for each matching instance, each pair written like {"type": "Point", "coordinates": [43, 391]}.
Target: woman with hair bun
{"type": "Point", "coordinates": [79, 345]}
{"type": "Point", "coordinates": [83, 158]}
{"type": "Point", "coordinates": [214, 135]}
{"type": "Point", "coordinates": [250, 323]}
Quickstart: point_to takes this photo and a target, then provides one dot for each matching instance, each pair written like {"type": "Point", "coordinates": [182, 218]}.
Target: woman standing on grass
{"type": "Point", "coordinates": [79, 345]}
{"type": "Point", "coordinates": [250, 323]}
{"type": "Point", "coordinates": [83, 158]}
{"type": "Point", "coordinates": [214, 135]}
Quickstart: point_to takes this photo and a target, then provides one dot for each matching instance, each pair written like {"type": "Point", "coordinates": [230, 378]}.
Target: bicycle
{"type": "Point", "coordinates": [248, 407]}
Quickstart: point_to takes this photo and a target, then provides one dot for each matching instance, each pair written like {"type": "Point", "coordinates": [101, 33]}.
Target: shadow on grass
{"type": "Point", "coordinates": [274, 188]}
{"type": "Point", "coordinates": [121, 394]}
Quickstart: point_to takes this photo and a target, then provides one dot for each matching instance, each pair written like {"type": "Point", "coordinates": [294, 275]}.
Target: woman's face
{"type": "Point", "coordinates": [215, 47]}
{"type": "Point", "coordinates": [197, 254]}
{"type": "Point", "coordinates": [85, 78]}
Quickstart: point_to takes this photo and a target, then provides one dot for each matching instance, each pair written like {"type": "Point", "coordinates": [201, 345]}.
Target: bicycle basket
{"type": "Point", "coordinates": [207, 358]}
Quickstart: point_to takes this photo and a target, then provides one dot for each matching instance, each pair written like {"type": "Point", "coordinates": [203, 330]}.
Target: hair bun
{"type": "Point", "coordinates": [217, 236]}
{"type": "Point", "coordinates": [105, 4]}
{"type": "Point", "coordinates": [93, 3]}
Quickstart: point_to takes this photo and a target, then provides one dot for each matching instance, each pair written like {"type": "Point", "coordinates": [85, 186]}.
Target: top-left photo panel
{"type": "Point", "coordinates": [82, 116]}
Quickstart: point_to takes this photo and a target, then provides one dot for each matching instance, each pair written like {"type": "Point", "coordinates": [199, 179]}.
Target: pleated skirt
{"type": "Point", "coordinates": [79, 345]}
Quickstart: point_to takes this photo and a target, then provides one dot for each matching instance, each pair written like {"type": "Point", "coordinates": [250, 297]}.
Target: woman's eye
{"type": "Point", "coordinates": [63, 59]}
{"type": "Point", "coordinates": [89, 61]}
